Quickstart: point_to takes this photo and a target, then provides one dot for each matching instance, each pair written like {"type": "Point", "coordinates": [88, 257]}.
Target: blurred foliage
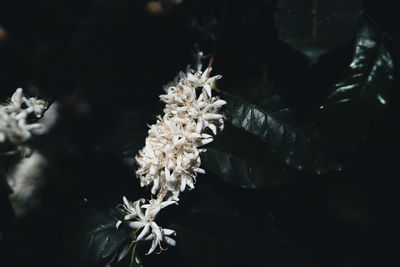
{"type": "Point", "coordinates": [303, 174]}
{"type": "Point", "coordinates": [358, 97]}
{"type": "Point", "coordinates": [101, 243]}
{"type": "Point", "coordinates": [311, 26]}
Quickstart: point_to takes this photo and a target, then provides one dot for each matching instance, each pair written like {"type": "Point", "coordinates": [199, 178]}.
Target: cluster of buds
{"type": "Point", "coordinates": [15, 117]}
{"type": "Point", "coordinates": [170, 160]}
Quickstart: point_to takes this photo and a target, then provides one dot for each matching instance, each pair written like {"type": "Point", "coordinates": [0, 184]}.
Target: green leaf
{"type": "Point", "coordinates": [246, 163]}
{"type": "Point", "coordinates": [101, 243]}
{"type": "Point", "coordinates": [315, 27]}
{"type": "Point", "coordinates": [356, 99]}
{"type": "Point", "coordinates": [263, 114]}
{"type": "Point", "coordinates": [131, 259]}
{"type": "Point", "coordinates": [241, 172]}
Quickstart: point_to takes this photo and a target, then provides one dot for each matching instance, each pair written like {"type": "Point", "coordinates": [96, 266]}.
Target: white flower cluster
{"type": "Point", "coordinates": [171, 156]}
{"type": "Point", "coordinates": [14, 117]}
{"type": "Point", "coordinates": [145, 221]}
{"type": "Point", "coordinates": [170, 160]}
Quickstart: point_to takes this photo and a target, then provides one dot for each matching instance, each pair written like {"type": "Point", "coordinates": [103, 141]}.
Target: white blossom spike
{"type": "Point", "coordinates": [172, 146]}
{"type": "Point", "coordinates": [170, 160]}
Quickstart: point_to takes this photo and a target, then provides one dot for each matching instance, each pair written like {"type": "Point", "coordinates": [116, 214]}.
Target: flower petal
{"type": "Point", "coordinates": [129, 217]}
{"type": "Point", "coordinates": [156, 230]}
{"type": "Point", "coordinates": [168, 231]}
{"type": "Point", "coordinates": [144, 232]}
{"type": "Point", "coordinates": [213, 128]}
{"type": "Point", "coordinates": [168, 203]}
{"type": "Point", "coordinates": [153, 247]}
{"type": "Point", "coordinates": [126, 202]}
{"type": "Point", "coordinates": [170, 241]}
{"type": "Point", "coordinates": [200, 170]}
{"type": "Point", "coordinates": [206, 141]}
{"type": "Point", "coordinates": [207, 88]}
{"type": "Point", "coordinates": [136, 224]}
{"type": "Point", "coordinates": [219, 103]}
{"type": "Point", "coordinates": [212, 116]}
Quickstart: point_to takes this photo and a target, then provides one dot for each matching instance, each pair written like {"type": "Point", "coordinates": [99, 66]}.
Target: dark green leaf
{"type": "Point", "coordinates": [246, 163]}
{"type": "Point", "coordinates": [238, 171]}
{"type": "Point", "coordinates": [267, 118]}
{"type": "Point", "coordinates": [315, 27]}
{"type": "Point", "coordinates": [357, 98]}
{"type": "Point", "coordinates": [101, 243]}
{"type": "Point", "coordinates": [131, 259]}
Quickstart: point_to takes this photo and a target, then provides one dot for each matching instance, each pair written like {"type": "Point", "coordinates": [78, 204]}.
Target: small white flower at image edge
{"type": "Point", "coordinates": [144, 222]}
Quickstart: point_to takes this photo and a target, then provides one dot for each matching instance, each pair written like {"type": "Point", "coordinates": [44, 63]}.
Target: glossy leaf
{"type": "Point", "coordinates": [357, 98]}
{"type": "Point", "coordinates": [244, 173]}
{"type": "Point", "coordinates": [312, 26]}
{"type": "Point", "coordinates": [246, 163]}
{"type": "Point", "coordinates": [103, 243]}
{"type": "Point", "coordinates": [131, 259]}
{"type": "Point", "coordinates": [267, 118]}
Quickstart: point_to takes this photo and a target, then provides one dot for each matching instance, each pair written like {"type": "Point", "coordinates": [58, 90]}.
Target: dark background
{"type": "Point", "coordinates": [105, 63]}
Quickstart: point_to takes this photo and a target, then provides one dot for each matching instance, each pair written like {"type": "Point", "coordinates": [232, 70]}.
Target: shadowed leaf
{"type": "Point", "coordinates": [312, 26]}
{"type": "Point", "coordinates": [244, 173]}
{"type": "Point", "coordinates": [102, 244]}
{"type": "Point", "coordinates": [131, 259]}
{"type": "Point", "coordinates": [356, 99]}
{"type": "Point", "coordinates": [267, 118]}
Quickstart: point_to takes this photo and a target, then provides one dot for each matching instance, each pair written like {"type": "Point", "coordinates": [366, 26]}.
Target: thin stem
{"type": "Point", "coordinates": [133, 254]}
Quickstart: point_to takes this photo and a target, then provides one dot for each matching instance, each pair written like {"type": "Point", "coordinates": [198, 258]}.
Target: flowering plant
{"type": "Point", "coordinates": [170, 160]}
{"type": "Point", "coordinates": [288, 160]}
{"type": "Point", "coordinates": [14, 124]}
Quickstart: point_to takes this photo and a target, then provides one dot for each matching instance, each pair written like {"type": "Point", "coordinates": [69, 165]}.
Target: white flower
{"type": "Point", "coordinates": [131, 208]}
{"type": "Point", "coordinates": [181, 100]}
{"type": "Point", "coordinates": [171, 156]}
{"type": "Point", "coordinates": [165, 237]}
{"type": "Point", "coordinates": [170, 160]}
{"type": "Point", "coordinates": [141, 217]}
{"type": "Point", "coordinates": [13, 117]}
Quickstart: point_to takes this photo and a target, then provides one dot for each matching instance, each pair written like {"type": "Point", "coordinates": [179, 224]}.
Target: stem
{"type": "Point", "coordinates": [133, 254]}
{"type": "Point", "coordinates": [211, 61]}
